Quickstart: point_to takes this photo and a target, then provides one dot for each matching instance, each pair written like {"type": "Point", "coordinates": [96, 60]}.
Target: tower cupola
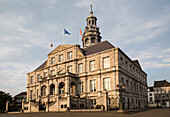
{"type": "Point", "coordinates": [91, 34]}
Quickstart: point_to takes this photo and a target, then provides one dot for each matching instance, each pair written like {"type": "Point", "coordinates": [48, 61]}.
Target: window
{"type": "Point", "coordinates": [69, 55]}
{"type": "Point", "coordinates": [106, 84]}
{"type": "Point", "coordinates": [61, 88]}
{"type": "Point", "coordinates": [31, 80]}
{"type": "Point", "coordinates": [150, 94]}
{"type": "Point", "coordinates": [45, 74]}
{"type": "Point", "coordinates": [43, 90]}
{"type": "Point", "coordinates": [87, 41]}
{"type": "Point", "coordinates": [92, 65]}
{"type": "Point", "coordinates": [127, 85]}
{"type": "Point", "coordinates": [52, 89]}
{"type": "Point", "coordinates": [61, 58]}
{"type": "Point", "coordinates": [92, 85]}
{"type": "Point", "coordinates": [38, 77]}
{"type": "Point", "coordinates": [69, 68]}
{"type": "Point", "coordinates": [53, 60]}
{"type": "Point", "coordinates": [93, 40]}
{"type": "Point", "coordinates": [93, 103]}
{"type": "Point", "coordinates": [150, 99]}
{"type": "Point", "coordinates": [106, 62]}
{"type": "Point", "coordinates": [31, 94]}
{"type": "Point", "coordinates": [80, 68]}
{"type": "Point", "coordinates": [81, 87]}
{"type": "Point", "coordinates": [52, 72]}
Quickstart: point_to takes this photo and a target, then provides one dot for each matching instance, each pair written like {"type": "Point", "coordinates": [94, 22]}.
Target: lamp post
{"type": "Point", "coordinates": [121, 88]}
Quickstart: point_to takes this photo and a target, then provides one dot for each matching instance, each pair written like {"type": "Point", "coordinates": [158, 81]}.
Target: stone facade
{"type": "Point", "coordinates": [87, 77]}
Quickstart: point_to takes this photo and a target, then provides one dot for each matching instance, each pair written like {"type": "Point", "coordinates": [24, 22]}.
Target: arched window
{"type": "Point", "coordinates": [52, 89]}
{"type": "Point", "coordinates": [87, 41]}
{"type": "Point", "coordinates": [43, 90]}
{"type": "Point", "coordinates": [92, 40]}
{"type": "Point", "coordinates": [73, 89]}
{"type": "Point", "coordinates": [61, 88]}
{"type": "Point", "coordinates": [92, 22]}
{"type": "Point", "coordinates": [89, 22]}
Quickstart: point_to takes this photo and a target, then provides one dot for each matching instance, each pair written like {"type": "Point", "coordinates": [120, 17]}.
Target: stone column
{"type": "Point", "coordinates": [7, 105]}
{"type": "Point", "coordinates": [57, 103]}
{"type": "Point", "coordinates": [105, 101]}
{"type": "Point", "coordinates": [22, 105]}
{"type": "Point", "coordinates": [68, 102]}
{"type": "Point", "coordinates": [67, 85]}
{"type": "Point", "coordinates": [29, 105]}
{"type": "Point", "coordinates": [47, 106]}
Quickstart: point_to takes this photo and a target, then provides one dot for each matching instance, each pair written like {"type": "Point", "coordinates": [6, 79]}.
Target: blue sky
{"type": "Point", "coordinates": [141, 28]}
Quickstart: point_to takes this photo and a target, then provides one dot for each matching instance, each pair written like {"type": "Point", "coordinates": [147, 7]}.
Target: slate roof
{"type": "Point", "coordinates": [102, 46]}
{"type": "Point", "coordinates": [162, 83]}
{"type": "Point", "coordinates": [41, 66]}
{"type": "Point", "coordinates": [22, 93]}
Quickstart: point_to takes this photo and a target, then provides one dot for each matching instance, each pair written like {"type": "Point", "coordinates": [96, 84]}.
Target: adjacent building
{"type": "Point", "coordinates": [19, 97]}
{"type": "Point", "coordinates": [73, 77]}
{"type": "Point", "coordinates": [159, 94]}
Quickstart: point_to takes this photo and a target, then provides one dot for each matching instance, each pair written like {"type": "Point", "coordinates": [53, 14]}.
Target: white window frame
{"type": "Point", "coordinates": [60, 57]}
{"type": "Point", "coordinates": [92, 65]}
{"type": "Point", "coordinates": [106, 84]}
{"type": "Point", "coordinates": [80, 68]}
{"type": "Point", "coordinates": [52, 72]}
{"type": "Point", "coordinates": [69, 55]}
{"type": "Point", "coordinates": [31, 94]}
{"type": "Point", "coordinates": [106, 62]}
{"type": "Point", "coordinates": [69, 68]}
{"type": "Point", "coordinates": [53, 60]}
{"type": "Point", "coordinates": [81, 87]}
{"type": "Point", "coordinates": [38, 77]}
{"type": "Point", "coordinates": [31, 79]}
{"type": "Point", "coordinates": [93, 85]}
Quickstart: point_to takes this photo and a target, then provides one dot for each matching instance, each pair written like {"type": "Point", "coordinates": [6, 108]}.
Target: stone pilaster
{"type": "Point", "coordinates": [105, 100]}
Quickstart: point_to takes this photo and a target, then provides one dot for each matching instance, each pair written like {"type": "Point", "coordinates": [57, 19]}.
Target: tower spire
{"type": "Point", "coordinates": [91, 12]}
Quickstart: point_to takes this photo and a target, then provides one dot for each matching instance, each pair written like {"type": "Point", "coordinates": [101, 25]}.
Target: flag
{"type": "Point", "coordinates": [66, 32]}
{"type": "Point", "coordinates": [81, 34]}
{"type": "Point", "coordinates": [51, 45]}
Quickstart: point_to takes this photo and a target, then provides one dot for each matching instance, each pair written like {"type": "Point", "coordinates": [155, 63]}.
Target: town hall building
{"type": "Point", "coordinates": [89, 77]}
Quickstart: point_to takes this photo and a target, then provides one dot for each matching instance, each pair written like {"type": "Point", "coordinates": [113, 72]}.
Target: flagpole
{"type": "Point", "coordinates": [79, 39]}
{"type": "Point", "coordinates": [63, 37]}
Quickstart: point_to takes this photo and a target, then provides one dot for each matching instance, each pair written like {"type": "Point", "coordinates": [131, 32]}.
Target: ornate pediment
{"type": "Point", "coordinates": [60, 48]}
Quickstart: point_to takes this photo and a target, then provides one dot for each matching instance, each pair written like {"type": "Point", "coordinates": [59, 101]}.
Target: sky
{"type": "Point", "coordinates": [141, 28]}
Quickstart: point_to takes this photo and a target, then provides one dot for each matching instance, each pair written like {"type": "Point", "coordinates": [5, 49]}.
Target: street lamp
{"type": "Point", "coordinates": [121, 88]}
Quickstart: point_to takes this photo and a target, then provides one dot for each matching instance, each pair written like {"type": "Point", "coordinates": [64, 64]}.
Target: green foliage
{"type": "Point", "coordinates": [3, 99]}
{"type": "Point", "coordinates": [98, 106]}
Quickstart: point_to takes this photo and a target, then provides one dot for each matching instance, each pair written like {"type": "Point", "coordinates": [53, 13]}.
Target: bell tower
{"type": "Point", "coordinates": [91, 35]}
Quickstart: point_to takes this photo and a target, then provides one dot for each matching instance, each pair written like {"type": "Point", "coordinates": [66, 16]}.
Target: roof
{"type": "Point", "coordinates": [22, 93]}
{"type": "Point", "coordinates": [151, 88]}
{"type": "Point", "coordinates": [41, 66]}
{"type": "Point", "coordinates": [162, 83]}
{"type": "Point", "coordinates": [102, 46]}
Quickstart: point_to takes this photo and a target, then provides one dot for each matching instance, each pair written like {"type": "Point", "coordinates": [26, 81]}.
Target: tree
{"type": "Point", "coordinates": [3, 99]}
